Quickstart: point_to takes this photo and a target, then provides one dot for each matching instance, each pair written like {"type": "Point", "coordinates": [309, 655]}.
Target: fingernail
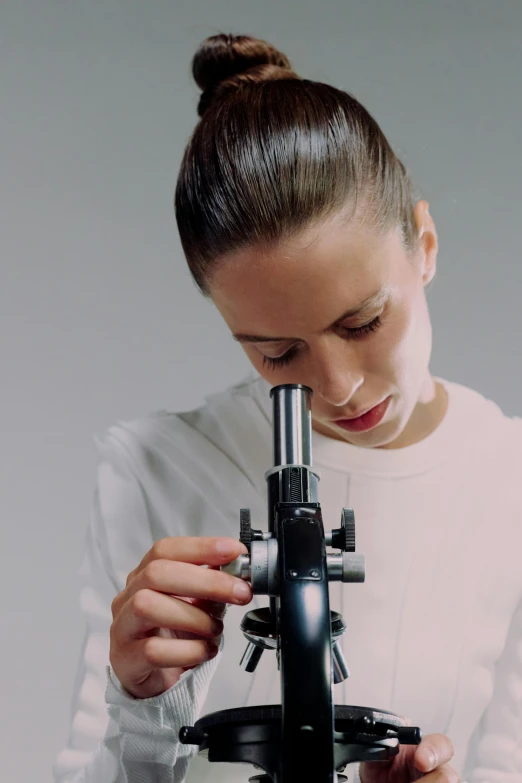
{"type": "Point", "coordinates": [213, 650]}
{"type": "Point", "coordinates": [241, 591]}
{"type": "Point", "coordinates": [225, 547]}
{"type": "Point", "coordinates": [430, 756]}
{"type": "Point", "coordinates": [216, 627]}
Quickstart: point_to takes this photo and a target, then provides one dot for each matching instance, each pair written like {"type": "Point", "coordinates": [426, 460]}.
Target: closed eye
{"type": "Point", "coordinates": [356, 332]}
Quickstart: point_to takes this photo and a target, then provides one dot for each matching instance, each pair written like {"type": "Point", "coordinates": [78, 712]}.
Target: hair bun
{"type": "Point", "coordinates": [221, 58]}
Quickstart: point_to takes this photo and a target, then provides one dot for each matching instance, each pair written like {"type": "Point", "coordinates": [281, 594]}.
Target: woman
{"type": "Point", "coordinates": [299, 223]}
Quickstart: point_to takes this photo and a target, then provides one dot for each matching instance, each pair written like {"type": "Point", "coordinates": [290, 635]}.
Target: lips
{"type": "Point", "coordinates": [357, 415]}
{"type": "Point", "coordinates": [364, 421]}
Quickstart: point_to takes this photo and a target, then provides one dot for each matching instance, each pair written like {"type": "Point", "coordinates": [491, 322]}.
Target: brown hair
{"type": "Point", "coordinates": [274, 153]}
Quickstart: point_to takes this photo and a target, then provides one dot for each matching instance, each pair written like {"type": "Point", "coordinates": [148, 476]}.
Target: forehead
{"type": "Point", "coordinates": [300, 282]}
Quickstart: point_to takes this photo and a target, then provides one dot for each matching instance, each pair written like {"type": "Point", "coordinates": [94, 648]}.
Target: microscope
{"type": "Point", "coordinates": [307, 738]}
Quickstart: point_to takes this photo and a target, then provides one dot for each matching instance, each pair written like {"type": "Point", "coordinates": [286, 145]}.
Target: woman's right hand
{"type": "Point", "coordinates": [169, 616]}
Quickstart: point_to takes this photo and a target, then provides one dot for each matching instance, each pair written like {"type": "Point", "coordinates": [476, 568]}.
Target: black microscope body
{"type": "Point", "coordinates": [307, 738]}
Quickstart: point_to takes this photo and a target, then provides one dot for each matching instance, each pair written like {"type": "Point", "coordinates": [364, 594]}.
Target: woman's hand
{"type": "Point", "coordinates": [169, 616]}
{"type": "Point", "coordinates": [428, 760]}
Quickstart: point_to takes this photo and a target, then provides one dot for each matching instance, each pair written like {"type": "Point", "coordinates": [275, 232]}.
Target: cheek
{"type": "Point", "coordinates": [402, 339]}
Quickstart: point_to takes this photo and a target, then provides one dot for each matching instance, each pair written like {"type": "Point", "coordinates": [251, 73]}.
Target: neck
{"type": "Point", "coordinates": [426, 416]}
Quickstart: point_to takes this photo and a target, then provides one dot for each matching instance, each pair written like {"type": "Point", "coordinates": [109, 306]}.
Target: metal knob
{"type": "Point", "coordinates": [340, 669]}
{"type": "Point", "coordinates": [347, 567]}
{"type": "Point", "coordinates": [251, 657]}
{"type": "Point", "coordinates": [240, 567]}
{"type": "Point", "coordinates": [409, 735]}
{"type": "Point", "coordinates": [191, 735]}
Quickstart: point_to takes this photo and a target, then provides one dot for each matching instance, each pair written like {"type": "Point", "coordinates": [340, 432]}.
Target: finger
{"type": "Point", "coordinates": [433, 751]}
{"type": "Point", "coordinates": [442, 774]}
{"type": "Point", "coordinates": [165, 653]}
{"type": "Point", "coordinates": [148, 609]}
{"type": "Point", "coordinates": [190, 581]}
{"type": "Point", "coordinates": [185, 549]}
{"type": "Point", "coordinates": [215, 609]}
{"type": "Point", "coordinates": [199, 550]}
{"type": "Point", "coordinates": [155, 652]}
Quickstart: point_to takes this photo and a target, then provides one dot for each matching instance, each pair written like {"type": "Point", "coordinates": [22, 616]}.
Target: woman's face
{"type": "Point", "coordinates": [343, 311]}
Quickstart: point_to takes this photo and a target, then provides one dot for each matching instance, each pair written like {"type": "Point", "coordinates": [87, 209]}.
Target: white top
{"type": "Point", "coordinates": [434, 633]}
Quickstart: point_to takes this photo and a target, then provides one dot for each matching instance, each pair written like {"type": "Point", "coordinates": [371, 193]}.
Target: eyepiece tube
{"type": "Point", "coordinates": [292, 424]}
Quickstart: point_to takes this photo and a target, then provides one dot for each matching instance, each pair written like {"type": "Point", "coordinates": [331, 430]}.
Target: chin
{"type": "Point", "coordinates": [373, 439]}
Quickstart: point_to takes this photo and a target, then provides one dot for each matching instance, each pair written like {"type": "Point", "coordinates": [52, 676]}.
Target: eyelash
{"type": "Point", "coordinates": [356, 332]}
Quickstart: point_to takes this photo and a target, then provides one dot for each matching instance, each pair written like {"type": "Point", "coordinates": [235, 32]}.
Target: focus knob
{"type": "Point", "coordinates": [348, 525]}
{"type": "Point", "coordinates": [343, 537]}
{"type": "Point", "coordinates": [246, 535]}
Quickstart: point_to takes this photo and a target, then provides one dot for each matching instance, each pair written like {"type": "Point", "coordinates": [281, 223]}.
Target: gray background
{"type": "Point", "coordinates": [99, 318]}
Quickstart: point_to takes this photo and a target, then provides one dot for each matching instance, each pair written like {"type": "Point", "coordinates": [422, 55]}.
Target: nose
{"type": "Point", "coordinates": [337, 387]}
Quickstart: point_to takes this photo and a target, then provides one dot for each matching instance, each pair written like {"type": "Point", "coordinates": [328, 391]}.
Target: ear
{"type": "Point", "coordinates": [428, 241]}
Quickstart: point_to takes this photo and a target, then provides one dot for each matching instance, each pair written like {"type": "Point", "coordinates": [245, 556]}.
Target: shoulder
{"type": "Point", "coordinates": [489, 429]}
{"type": "Point", "coordinates": [489, 413]}
{"type": "Point", "coordinates": [230, 425]}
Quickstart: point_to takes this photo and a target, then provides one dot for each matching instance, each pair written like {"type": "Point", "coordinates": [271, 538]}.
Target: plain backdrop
{"type": "Point", "coordinates": [100, 320]}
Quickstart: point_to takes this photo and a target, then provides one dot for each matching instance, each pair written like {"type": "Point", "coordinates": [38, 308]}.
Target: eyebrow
{"type": "Point", "coordinates": [375, 299]}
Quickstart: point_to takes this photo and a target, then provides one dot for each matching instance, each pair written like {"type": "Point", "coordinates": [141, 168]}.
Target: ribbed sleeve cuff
{"type": "Point", "coordinates": [147, 729]}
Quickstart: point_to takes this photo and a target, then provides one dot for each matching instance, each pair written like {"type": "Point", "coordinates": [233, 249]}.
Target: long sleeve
{"type": "Point", "coordinates": [114, 737]}
{"type": "Point", "coordinates": [498, 750]}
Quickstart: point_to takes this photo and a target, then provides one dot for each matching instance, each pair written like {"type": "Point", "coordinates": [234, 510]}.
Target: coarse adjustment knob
{"type": "Point", "coordinates": [348, 525]}
{"type": "Point", "coordinates": [344, 537]}
{"type": "Point", "coordinates": [246, 535]}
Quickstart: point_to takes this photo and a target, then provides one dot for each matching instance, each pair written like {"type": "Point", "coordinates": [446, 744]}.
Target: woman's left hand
{"type": "Point", "coordinates": [428, 760]}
